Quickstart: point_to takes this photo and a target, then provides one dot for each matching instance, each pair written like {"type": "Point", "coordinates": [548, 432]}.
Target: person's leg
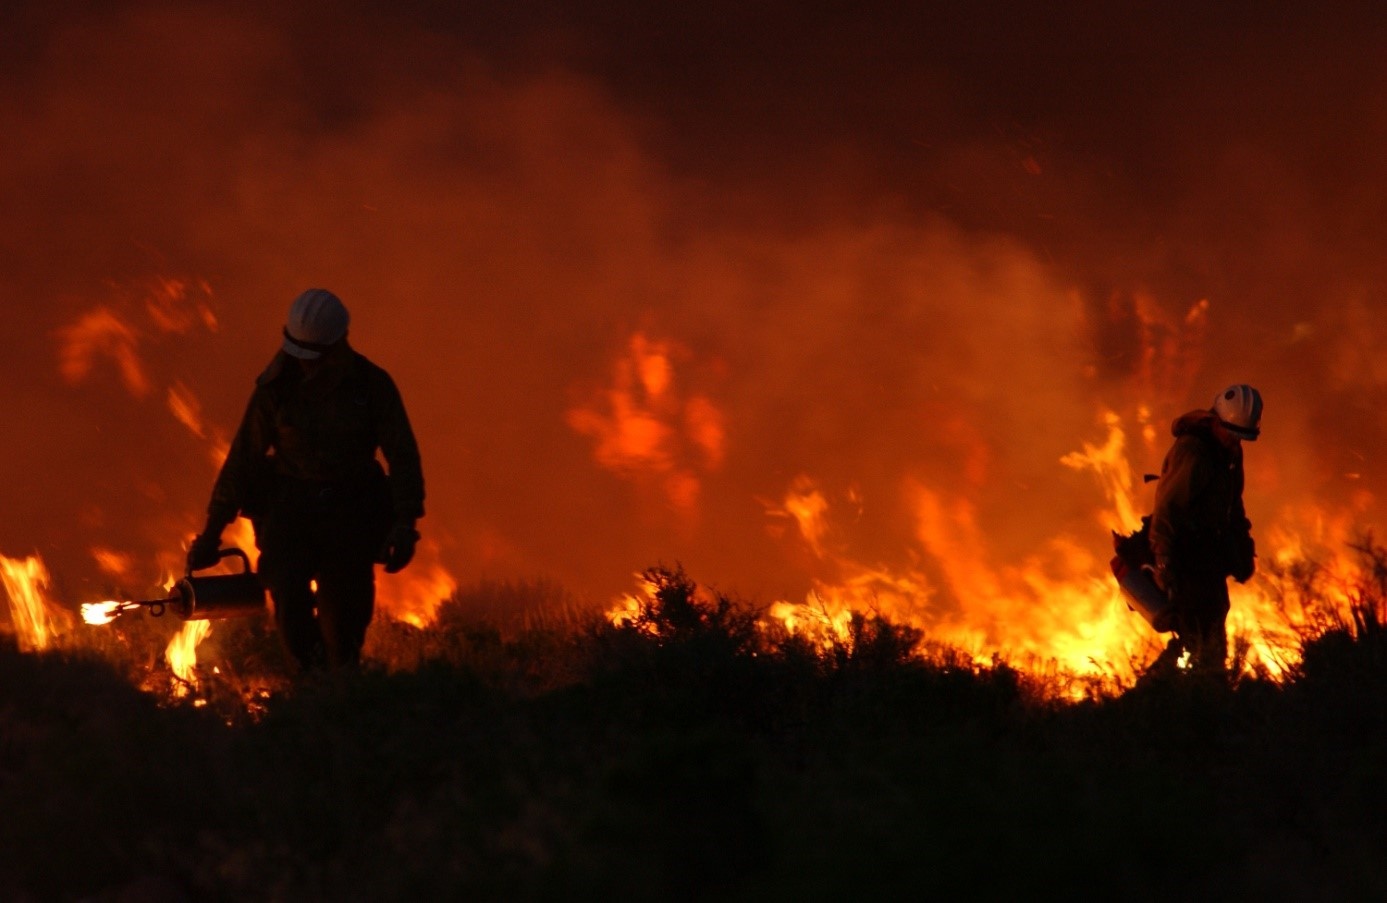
{"type": "Point", "coordinates": [1211, 647]}
{"type": "Point", "coordinates": [298, 625]}
{"type": "Point", "coordinates": [1201, 603]}
{"type": "Point", "coordinates": [1167, 663]}
{"type": "Point", "coordinates": [287, 566]}
{"type": "Point", "coordinates": [346, 593]}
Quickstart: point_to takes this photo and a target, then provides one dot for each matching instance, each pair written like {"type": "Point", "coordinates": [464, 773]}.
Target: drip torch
{"type": "Point", "coordinates": [1133, 565]}
{"type": "Point", "coordinates": [195, 598]}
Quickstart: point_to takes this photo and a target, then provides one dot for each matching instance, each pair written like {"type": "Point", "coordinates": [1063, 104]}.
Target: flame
{"type": "Point", "coordinates": [176, 305]}
{"type": "Point", "coordinates": [98, 613]}
{"type": "Point", "coordinates": [629, 607]}
{"type": "Point", "coordinates": [808, 507]}
{"type": "Point", "coordinates": [116, 564]}
{"type": "Point", "coordinates": [37, 619]}
{"type": "Point", "coordinates": [414, 594]}
{"type": "Point", "coordinates": [1109, 463]}
{"type": "Point", "coordinates": [1061, 604]}
{"type": "Point", "coordinates": [99, 333]}
{"type": "Point", "coordinates": [241, 534]}
{"type": "Point", "coordinates": [644, 428]}
{"type": "Point", "coordinates": [181, 654]}
{"type": "Point", "coordinates": [186, 408]}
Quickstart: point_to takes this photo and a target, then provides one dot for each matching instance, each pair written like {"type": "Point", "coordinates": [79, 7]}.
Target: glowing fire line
{"type": "Point", "coordinates": [1061, 605]}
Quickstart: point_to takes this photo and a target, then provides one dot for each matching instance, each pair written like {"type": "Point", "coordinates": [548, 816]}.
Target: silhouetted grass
{"type": "Point", "coordinates": [690, 753]}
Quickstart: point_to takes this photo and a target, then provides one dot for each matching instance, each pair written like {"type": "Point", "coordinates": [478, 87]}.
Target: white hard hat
{"type": "Point", "coordinates": [317, 320]}
{"type": "Point", "coordinates": [1239, 409]}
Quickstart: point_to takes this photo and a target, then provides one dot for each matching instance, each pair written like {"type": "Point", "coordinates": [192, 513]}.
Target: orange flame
{"type": "Point", "coordinates": [101, 333]}
{"type": "Point", "coordinates": [116, 564]}
{"type": "Point", "coordinates": [1109, 463]}
{"type": "Point", "coordinates": [37, 620]}
{"type": "Point", "coordinates": [186, 408]}
{"type": "Point", "coordinates": [181, 654]}
{"type": "Point", "coordinates": [99, 613]}
{"type": "Point", "coordinates": [1060, 605]}
{"type": "Point", "coordinates": [644, 427]}
{"type": "Point", "coordinates": [175, 305]}
{"type": "Point", "coordinates": [414, 594]}
{"type": "Point", "coordinates": [806, 505]}
{"type": "Point", "coordinates": [627, 610]}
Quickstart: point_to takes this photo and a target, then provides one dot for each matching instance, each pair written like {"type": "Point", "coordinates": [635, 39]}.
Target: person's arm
{"type": "Point", "coordinates": [1241, 550]}
{"type": "Point", "coordinates": [406, 473]}
{"type": "Point", "coordinates": [401, 451]}
{"type": "Point", "coordinates": [244, 460]}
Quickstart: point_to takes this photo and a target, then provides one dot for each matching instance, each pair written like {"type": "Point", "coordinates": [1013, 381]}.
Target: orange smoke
{"type": "Point", "coordinates": [902, 295]}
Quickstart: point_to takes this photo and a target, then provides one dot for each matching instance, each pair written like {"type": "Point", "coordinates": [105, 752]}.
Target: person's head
{"type": "Point", "coordinates": [1238, 412]}
{"type": "Point", "coordinates": [316, 324]}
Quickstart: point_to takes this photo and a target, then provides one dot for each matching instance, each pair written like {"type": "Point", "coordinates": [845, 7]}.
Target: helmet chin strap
{"type": "Point", "coordinates": [1242, 432]}
{"type": "Point", "coordinates": [316, 347]}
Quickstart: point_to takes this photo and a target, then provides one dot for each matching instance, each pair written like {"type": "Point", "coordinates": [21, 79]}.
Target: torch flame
{"type": "Point", "coordinates": [98, 613]}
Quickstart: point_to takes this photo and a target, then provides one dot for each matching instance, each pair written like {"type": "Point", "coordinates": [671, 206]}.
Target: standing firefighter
{"type": "Point", "coordinates": [1200, 534]}
{"type": "Point", "coordinates": [303, 468]}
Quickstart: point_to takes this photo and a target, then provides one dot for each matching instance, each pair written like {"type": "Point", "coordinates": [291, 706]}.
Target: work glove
{"type": "Point", "coordinates": [1242, 558]}
{"type": "Point", "coordinates": [398, 548]}
{"type": "Point", "coordinates": [205, 551]}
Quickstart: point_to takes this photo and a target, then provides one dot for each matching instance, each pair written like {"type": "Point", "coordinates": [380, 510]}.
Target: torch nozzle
{"type": "Point", "coordinates": [106, 612]}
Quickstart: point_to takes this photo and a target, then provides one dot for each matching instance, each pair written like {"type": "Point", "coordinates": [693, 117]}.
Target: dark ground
{"type": "Point", "coordinates": [698, 760]}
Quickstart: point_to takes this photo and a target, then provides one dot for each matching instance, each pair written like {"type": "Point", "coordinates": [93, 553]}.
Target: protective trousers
{"type": "Point", "coordinates": [1200, 603]}
{"type": "Point", "coordinates": [317, 560]}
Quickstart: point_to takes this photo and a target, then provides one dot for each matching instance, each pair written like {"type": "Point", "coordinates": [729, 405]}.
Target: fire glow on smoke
{"type": "Point", "coordinates": [1059, 606]}
{"type": "Point", "coordinates": [897, 334]}
{"type": "Point", "coordinates": [1056, 605]}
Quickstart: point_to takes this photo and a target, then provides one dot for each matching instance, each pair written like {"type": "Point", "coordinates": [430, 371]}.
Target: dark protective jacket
{"type": "Point", "coordinates": [1199, 525]}
{"type": "Point", "coordinates": [322, 430]}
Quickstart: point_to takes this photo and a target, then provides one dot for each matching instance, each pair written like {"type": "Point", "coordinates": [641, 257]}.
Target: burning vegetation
{"type": "Point", "coordinates": [695, 748]}
{"type": "Point", "coordinates": [882, 342]}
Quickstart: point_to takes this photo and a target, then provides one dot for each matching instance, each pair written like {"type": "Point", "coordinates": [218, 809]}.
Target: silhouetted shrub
{"type": "Point", "coordinates": [674, 613]}
{"type": "Point", "coordinates": [873, 642]}
{"type": "Point", "coordinates": [694, 752]}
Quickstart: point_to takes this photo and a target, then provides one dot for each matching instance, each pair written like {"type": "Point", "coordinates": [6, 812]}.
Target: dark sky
{"type": "Point", "coordinates": [877, 247]}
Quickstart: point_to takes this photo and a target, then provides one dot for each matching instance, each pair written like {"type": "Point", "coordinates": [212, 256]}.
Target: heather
{"type": "Point", "coordinates": [689, 753]}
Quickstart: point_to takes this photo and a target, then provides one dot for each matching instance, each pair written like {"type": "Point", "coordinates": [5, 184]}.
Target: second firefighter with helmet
{"type": "Point", "coordinates": [1200, 534]}
{"type": "Point", "coordinates": [303, 468]}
